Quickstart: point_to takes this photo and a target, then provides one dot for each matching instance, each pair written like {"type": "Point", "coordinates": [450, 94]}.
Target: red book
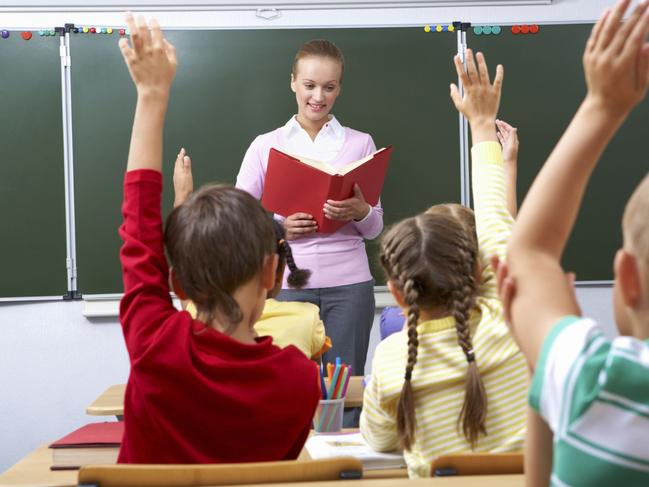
{"type": "Point", "coordinates": [94, 443]}
{"type": "Point", "coordinates": [300, 185]}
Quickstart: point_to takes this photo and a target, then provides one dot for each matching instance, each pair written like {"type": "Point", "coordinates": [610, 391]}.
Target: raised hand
{"type": "Point", "coordinates": [508, 138]}
{"type": "Point", "coordinates": [481, 98]}
{"type": "Point", "coordinates": [616, 59]}
{"type": "Point", "coordinates": [150, 58]}
{"type": "Point", "coordinates": [183, 180]}
{"type": "Point", "coordinates": [354, 208]}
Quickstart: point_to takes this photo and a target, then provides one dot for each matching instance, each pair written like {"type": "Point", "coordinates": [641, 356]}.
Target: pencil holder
{"type": "Point", "coordinates": [329, 415]}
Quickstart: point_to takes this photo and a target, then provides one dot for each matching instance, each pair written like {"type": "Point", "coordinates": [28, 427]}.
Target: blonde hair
{"type": "Point", "coordinates": [432, 259]}
{"type": "Point", "coordinates": [319, 48]}
{"type": "Point", "coordinates": [635, 226]}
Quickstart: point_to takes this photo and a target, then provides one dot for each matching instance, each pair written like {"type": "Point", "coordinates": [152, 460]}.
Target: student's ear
{"type": "Point", "coordinates": [293, 87]}
{"type": "Point", "coordinates": [629, 279]}
{"type": "Point", "coordinates": [176, 287]}
{"type": "Point", "coordinates": [398, 295]}
{"type": "Point", "coordinates": [268, 271]}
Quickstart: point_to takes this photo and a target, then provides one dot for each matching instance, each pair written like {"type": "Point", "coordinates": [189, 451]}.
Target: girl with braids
{"type": "Point", "coordinates": [453, 379]}
{"type": "Point", "coordinates": [288, 323]}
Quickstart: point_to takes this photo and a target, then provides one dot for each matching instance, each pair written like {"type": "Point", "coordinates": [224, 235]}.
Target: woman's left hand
{"type": "Point", "coordinates": [354, 208]}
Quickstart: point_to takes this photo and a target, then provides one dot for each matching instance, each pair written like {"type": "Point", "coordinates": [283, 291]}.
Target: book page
{"type": "Point", "coordinates": [324, 167]}
{"type": "Point", "coordinates": [352, 445]}
{"type": "Point", "coordinates": [353, 165]}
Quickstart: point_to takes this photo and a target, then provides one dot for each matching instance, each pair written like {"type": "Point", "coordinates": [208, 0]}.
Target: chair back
{"type": "Point", "coordinates": [477, 464]}
{"type": "Point", "coordinates": [136, 475]}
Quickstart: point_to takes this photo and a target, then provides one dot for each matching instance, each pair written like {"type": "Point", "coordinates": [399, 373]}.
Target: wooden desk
{"type": "Point", "coordinates": [111, 401]}
{"type": "Point", "coordinates": [34, 470]}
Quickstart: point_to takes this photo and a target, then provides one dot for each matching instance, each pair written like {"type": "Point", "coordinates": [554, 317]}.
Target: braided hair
{"type": "Point", "coordinates": [431, 259]}
{"type": "Point", "coordinates": [297, 278]}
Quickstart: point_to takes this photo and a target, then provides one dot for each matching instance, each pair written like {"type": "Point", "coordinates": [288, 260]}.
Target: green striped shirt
{"type": "Point", "coordinates": [594, 395]}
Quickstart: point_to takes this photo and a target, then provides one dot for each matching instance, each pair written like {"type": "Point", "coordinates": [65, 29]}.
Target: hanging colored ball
{"type": "Point", "coordinates": [451, 28]}
{"type": "Point", "coordinates": [477, 30]}
{"type": "Point", "coordinates": [26, 35]}
{"type": "Point", "coordinates": [525, 29]}
{"type": "Point", "coordinates": [86, 30]}
{"type": "Point", "coordinates": [109, 30]}
{"type": "Point", "coordinates": [93, 30]}
{"type": "Point", "coordinates": [486, 30]}
{"type": "Point", "coordinates": [5, 34]}
{"type": "Point", "coordinates": [496, 30]}
{"type": "Point", "coordinates": [534, 29]}
{"type": "Point", "coordinates": [122, 32]}
{"type": "Point", "coordinates": [438, 28]}
{"type": "Point", "coordinates": [426, 28]}
{"type": "Point", "coordinates": [516, 29]}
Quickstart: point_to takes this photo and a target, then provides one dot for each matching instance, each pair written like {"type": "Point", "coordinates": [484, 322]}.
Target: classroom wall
{"type": "Point", "coordinates": [54, 362]}
{"type": "Point", "coordinates": [573, 11]}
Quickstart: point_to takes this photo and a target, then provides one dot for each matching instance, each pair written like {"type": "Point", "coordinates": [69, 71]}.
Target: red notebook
{"type": "Point", "coordinates": [94, 443]}
{"type": "Point", "coordinates": [295, 185]}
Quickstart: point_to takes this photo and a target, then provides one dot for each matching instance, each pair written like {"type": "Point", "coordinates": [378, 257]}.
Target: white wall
{"type": "Point", "coordinates": [53, 361]}
{"type": "Point", "coordinates": [560, 11]}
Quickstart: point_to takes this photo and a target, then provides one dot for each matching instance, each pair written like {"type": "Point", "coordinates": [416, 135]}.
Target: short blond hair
{"type": "Point", "coordinates": [635, 226]}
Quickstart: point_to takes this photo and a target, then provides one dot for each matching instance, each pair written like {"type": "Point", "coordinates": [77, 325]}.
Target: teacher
{"type": "Point", "coordinates": [341, 283]}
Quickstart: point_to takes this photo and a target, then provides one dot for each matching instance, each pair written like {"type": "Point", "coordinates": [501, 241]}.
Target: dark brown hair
{"type": "Point", "coordinates": [432, 259]}
{"type": "Point", "coordinates": [319, 48]}
{"type": "Point", "coordinates": [217, 241]}
{"type": "Point", "coordinates": [297, 278]}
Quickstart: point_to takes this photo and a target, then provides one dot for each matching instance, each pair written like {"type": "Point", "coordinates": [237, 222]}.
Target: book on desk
{"type": "Point", "coordinates": [352, 445]}
{"type": "Point", "coordinates": [94, 443]}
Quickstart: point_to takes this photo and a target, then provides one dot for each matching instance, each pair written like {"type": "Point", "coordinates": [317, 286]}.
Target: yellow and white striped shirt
{"type": "Point", "coordinates": [438, 379]}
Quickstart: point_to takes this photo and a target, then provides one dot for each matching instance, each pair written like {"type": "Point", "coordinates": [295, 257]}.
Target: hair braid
{"type": "Point", "coordinates": [474, 409]}
{"type": "Point", "coordinates": [406, 420]}
{"type": "Point", "coordinates": [297, 278]}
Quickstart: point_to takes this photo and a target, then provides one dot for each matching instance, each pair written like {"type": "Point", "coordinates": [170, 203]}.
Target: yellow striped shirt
{"type": "Point", "coordinates": [438, 378]}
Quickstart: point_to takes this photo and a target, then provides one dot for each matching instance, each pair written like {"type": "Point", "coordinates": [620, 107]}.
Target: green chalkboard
{"type": "Point", "coordinates": [233, 85]}
{"type": "Point", "coordinates": [544, 84]}
{"type": "Point", "coordinates": [32, 191]}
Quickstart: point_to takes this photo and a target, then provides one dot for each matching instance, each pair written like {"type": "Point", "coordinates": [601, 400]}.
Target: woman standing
{"type": "Point", "coordinates": [341, 283]}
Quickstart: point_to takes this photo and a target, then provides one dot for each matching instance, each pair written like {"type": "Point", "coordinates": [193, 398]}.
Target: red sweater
{"type": "Point", "coordinates": [195, 395]}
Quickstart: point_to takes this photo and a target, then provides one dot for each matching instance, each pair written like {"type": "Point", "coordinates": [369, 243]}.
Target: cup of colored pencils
{"type": "Point", "coordinates": [329, 413]}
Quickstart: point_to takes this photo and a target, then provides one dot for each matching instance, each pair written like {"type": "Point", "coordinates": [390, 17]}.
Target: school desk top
{"type": "Point", "coordinates": [34, 470]}
{"type": "Point", "coordinates": [111, 401]}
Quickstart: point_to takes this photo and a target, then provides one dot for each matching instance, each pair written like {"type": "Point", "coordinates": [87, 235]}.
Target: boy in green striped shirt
{"type": "Point", "coordinates": [589, 417]}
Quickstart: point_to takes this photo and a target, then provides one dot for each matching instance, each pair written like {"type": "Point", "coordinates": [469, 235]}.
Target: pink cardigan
{"type": "Point", "coordinates": [335, 259]}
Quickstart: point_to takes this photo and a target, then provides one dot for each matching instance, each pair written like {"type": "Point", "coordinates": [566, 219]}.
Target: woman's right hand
{"type": "Point", "coordinates": [299, 225]}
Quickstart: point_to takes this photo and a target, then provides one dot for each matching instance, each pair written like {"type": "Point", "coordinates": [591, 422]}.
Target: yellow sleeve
{"type": "Point", "coordinates": [191, 309]}
{"type": "Point", "coordinates": [378, 423]}
{"type": "Point", "coordinates": [493, 222]}
{"type": "Point", "coordinates": [318, 335]}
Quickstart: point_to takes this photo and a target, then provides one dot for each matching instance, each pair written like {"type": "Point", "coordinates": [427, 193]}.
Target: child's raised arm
{"type": "Point", "coordinates": [481, 98]}
{"type": "Point", "coordinates": [616, 62]}
{"type": "Point", "coordinates": [183, 179]}
{"type": "Point", "coordinates": [508, 137]}
{"type": "Point", "coordinates": [480, 105]}
{"type": "Point", "coordinates": [151, 61]}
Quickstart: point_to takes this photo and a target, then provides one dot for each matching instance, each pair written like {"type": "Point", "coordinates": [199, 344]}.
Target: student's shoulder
{"type": "Point", "coordinates": [391, 350]}
{"type": "Point", "coordinates": [298, 307]}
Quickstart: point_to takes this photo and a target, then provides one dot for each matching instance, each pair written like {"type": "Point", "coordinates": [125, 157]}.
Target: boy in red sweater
{"type": "Point", "coordinates": [205, 390]}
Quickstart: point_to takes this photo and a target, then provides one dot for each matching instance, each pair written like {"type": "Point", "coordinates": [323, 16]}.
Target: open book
{"type": "Point", "coordinates": [352, 445]}
{"type": "Point", "coordinates": [300, 185]}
